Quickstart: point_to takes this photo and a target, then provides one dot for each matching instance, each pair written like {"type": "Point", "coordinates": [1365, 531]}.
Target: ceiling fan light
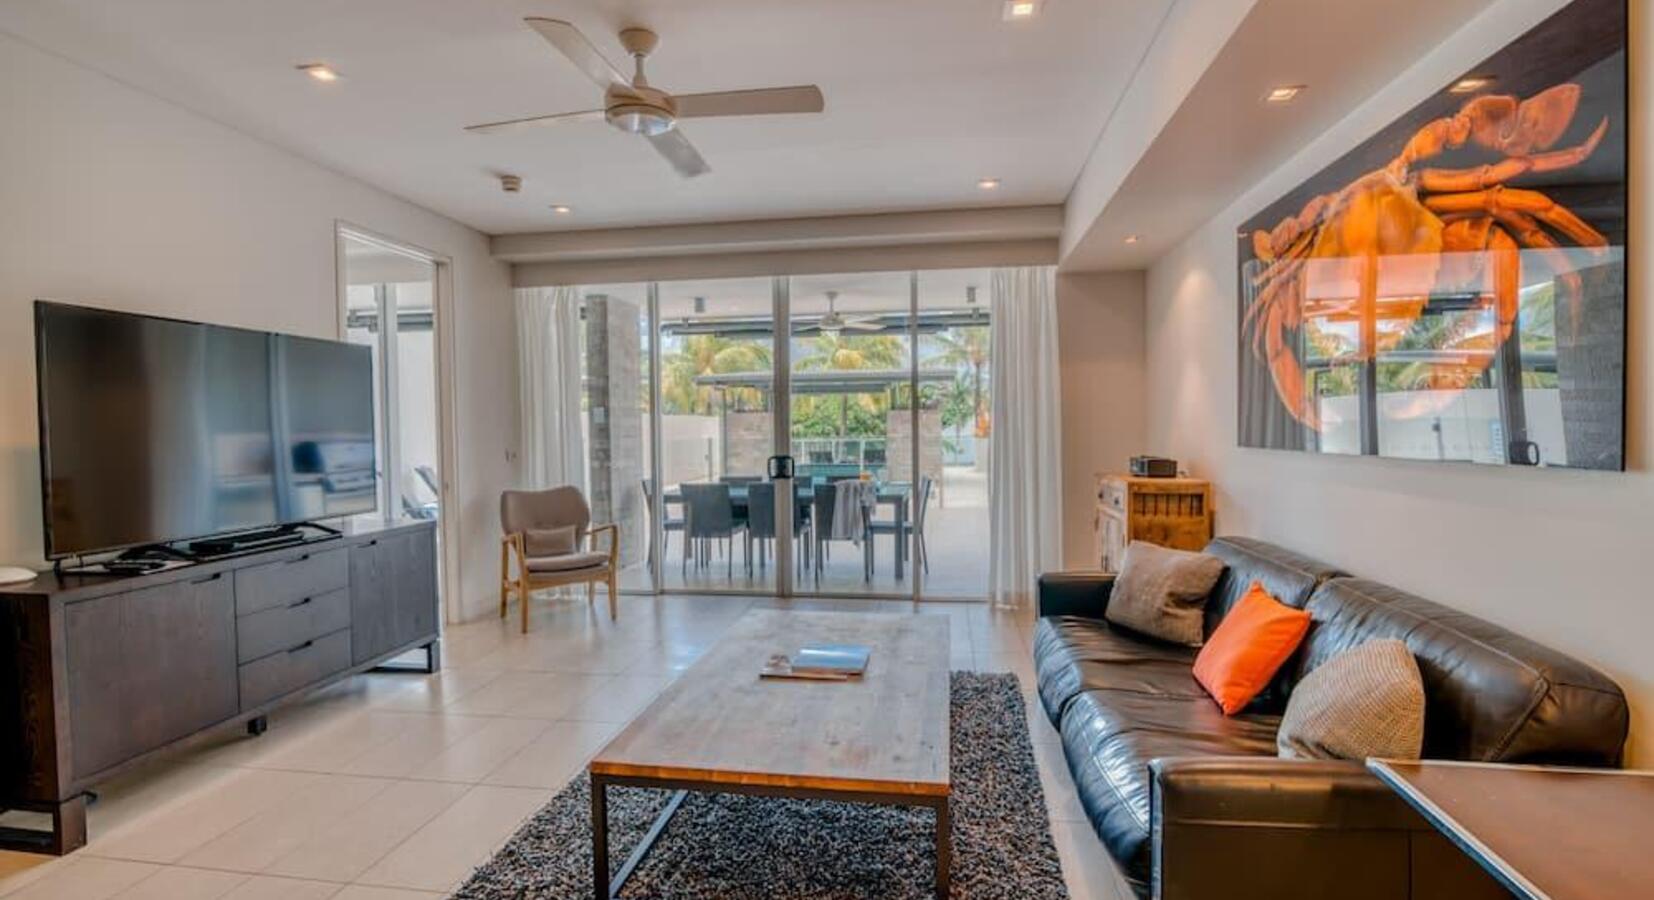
{"type": "Point", "coordinates": [640, 119]}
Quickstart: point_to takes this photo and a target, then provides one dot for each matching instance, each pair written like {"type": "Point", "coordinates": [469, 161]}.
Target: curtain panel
{"type": "Point", "coordinates": [1025, 447]}
{"type": "Point", "coordinates": [549, 385]}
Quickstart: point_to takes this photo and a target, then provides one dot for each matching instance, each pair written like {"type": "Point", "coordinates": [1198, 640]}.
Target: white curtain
{"type": "Point", "coordinates": [548, 362]}
{"type": "Point", "coordinates": [1025, 450]}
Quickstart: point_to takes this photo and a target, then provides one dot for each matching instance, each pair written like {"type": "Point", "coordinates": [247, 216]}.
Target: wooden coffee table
{"type": "Point", "coordinates": [720, 728]}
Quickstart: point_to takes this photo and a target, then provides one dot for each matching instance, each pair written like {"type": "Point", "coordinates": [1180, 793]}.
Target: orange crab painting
{"type": "Point", "coordinates": [1428, 245]}
{"type": "Point", "coordinates": [1454, 226]}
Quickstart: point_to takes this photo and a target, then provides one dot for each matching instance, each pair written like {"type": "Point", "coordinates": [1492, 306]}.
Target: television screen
{"type": "Point", "coordinates": [155, 430]}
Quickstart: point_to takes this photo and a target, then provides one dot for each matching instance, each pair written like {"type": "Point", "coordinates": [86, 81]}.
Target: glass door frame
{"type": "Point", "coordinates": [786, 584]}
{"type": "Point", "coordinates": [447, 439]}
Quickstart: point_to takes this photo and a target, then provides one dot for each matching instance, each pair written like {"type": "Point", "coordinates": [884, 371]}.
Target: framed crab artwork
{"type": "Point", "coordinates": [1454, 288]}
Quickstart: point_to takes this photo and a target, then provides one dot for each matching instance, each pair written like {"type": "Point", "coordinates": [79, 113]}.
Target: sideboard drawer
{"type": "Point", "coordinates": [296, 667]}
{"type": "Point", "coordinates": [276, 629]}
{"type": "Point", "coordinates": [291, 580]}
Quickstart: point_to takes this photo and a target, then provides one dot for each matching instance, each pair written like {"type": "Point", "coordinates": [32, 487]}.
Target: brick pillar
{"type": "Point", "coordinates": [615, 420]}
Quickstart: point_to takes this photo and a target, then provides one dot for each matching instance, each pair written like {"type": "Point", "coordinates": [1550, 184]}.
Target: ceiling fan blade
{"type": "Point", "coordinates": [580, 51]}
{"type": "Point", "coordinates": [863, 325]}
{"type": "Point", "coordinates": [761, 102]}
{"type": "Point", "coordinates": [532, 121]}
{"type": "Point", "coordinates": [680, 153]}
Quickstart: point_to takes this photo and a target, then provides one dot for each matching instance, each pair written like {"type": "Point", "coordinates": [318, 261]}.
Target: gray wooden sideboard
{"type": "Point", "coordinates": [99, 673]}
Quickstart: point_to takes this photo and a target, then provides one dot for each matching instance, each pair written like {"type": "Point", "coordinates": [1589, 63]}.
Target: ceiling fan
{"type": "Point", "coordinates": [635, 106]}
{"type": "Point", "coordinates": [835, 321]}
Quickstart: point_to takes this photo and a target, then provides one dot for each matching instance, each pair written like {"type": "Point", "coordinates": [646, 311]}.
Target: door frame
{"type": "Point", "coordinates": [442, 311]}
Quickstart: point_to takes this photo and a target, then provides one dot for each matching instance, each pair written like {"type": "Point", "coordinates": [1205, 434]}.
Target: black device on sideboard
{"type": "Point", "coordinates": [1153, 467]}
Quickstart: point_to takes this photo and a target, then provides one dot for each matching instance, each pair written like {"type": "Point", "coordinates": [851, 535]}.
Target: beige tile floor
{"type": "Point", "coordinates": [394, 786]}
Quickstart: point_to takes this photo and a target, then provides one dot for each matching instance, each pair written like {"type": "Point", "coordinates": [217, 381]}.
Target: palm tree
{"type": "Point", "coordinates": [971, 348]}
{"type": "Point", "coordinates": [708, 354]}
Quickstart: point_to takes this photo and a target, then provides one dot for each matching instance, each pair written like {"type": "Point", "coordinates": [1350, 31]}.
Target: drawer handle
{"type": "Point", "coordinates": [213, 577]}
{"type": "Point", "coordinates": [372, 543]}
{"type": "Point", "coordinates": [299, 559]}
{"type": "Point", "coordinates": [303, 646]}
{"type": "Point", "coordinates": [303, 602]}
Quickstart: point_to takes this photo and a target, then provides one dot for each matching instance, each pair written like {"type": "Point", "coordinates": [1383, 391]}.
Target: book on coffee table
{"type": "Point", "coordinates": [826, 662]}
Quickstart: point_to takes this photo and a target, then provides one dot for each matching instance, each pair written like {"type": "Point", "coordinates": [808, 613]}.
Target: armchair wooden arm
{"type": "Point", "coordinates": [614, 540]}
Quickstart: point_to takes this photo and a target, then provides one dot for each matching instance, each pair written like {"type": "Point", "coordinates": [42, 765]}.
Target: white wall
{"type": "Point", "coordinates": [1103, 419]}
{"type": "Point", "coordinates": [1562, 557]}
{"type": "Point", "coordinates": [113, 198]}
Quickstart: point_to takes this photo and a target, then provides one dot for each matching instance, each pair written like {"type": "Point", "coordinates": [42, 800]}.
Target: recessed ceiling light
{"type": "Point", "coordinates": [1021, 9]}
{"type": "Point", "coordinates": [1286, 93]}
{"type": "Point", "coordinates": [1470, 84]}
{"type": "Point", "coordinates": [319, 71]}
{"type": "Point", "coordinates": [562, 210]}
{"type": "Point", "coordinates": [1132, 238]}
{"type": "Point", "coordinates": [988, 184]}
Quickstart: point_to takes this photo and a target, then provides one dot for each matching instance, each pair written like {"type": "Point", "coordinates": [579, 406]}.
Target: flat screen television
{"type": "Point", "coordinates": [158, 431]}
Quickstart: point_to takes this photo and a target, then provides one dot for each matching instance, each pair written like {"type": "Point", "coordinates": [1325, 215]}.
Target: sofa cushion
{"type": "Point", "coordinates": [1490, 694]}
{"type": "Point", "coordinates": [1249, 646]}
{"type": "Point", "coordinates": [1162, 592]}
{"type": "Point", "coordinates": [1109, 737]}
{"type": "Point", "coordinates": [1288, 577]}
{"type": "Point", "coordinates": [1074, 654]}
{"type": "Point", "coordinates": [1365, 702]}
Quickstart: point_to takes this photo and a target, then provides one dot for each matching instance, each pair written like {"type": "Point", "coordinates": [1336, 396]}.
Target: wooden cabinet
{"type": "Point", "coordinates": [392, 593]}
{"type": "Point", "coordinates": [1171, 512]}
{"type": "Point", "coordinates": [148, 667]}
{"type": "Point", "coordinates": [99, 673]}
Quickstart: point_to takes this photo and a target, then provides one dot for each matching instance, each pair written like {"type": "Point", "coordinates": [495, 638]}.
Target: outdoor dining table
{"type": "Point", "coordinates": [897, 495]}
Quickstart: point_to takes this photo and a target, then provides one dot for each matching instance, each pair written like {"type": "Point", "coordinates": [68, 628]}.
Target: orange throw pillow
{"type": "Point", "coordinates": [1247, 647]}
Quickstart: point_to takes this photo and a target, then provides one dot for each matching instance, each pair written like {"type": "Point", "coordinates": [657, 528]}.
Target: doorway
{"type": "Point", "coordinates": [393, 299]}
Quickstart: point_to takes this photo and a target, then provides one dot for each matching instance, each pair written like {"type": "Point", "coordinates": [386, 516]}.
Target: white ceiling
{"type": "Point", "coordinates": [1223, 139]}
{"type": "Point", "coordinates": [923, 96]}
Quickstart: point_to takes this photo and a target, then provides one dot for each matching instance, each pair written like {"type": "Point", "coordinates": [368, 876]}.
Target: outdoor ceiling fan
{"type": "Point", "coordinates": [835, 322]}
{"type": "Point", "coordinates": [635, 106]}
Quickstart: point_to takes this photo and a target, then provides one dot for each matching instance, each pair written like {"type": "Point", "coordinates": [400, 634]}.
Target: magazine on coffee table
{"type": "Point", "coordinates": [822, 662]}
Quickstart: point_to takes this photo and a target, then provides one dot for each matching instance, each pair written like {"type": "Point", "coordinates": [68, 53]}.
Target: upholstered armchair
{"type": "Point", "coordinates": [550, 542]}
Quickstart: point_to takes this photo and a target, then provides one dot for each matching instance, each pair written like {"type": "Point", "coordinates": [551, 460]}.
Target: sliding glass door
{"type": "Point", "coordinates": [878, 394]}
{"type": "Point", "coordinates": [851, 415]}
{"type": "Point", "coordinates": [715, 435]}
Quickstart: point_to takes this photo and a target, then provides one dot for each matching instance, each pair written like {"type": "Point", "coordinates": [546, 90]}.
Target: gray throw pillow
{"type": "Point", "coordinates": [550, 541]}
{"type": "Point", "coordinates": [1367, 701]}
{"type": "Point", "coordinates": [1162, 592]}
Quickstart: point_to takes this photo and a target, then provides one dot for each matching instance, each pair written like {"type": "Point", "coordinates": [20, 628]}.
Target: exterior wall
{"type": "Point", "coordinates": [899, 446]}
{"type": "Point", "coordinates": [750, 441]}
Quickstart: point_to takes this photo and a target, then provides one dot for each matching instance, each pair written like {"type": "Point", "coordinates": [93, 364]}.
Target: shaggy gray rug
{"type": "Point", "coordinates": [730, 846]}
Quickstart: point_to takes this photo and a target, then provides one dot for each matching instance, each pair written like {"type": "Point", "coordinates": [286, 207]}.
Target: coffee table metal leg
{"type": "Point", "coordinates": [944, 850]}
{"type": "Point", "coordinates": [600, 838]}
{"type": "Point", "coordinates": [644, 846]}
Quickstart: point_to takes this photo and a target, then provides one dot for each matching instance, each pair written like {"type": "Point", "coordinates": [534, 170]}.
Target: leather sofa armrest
{"type": "Point", "coordinates": [1077, 593]}
{"type": "Point", "coordinates": [1263, 827]}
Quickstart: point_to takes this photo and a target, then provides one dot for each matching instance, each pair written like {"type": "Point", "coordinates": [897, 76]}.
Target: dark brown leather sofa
{"type": "Point", "coordinates": [1193, 804]}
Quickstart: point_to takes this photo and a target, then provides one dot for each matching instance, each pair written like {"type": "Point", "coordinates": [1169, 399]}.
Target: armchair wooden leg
{"type": "Point", "coordinates": [591, 592]}
{"type": "Point", "coordinates": [522, 597]}
{"type": "Point", "coordinates": [613, 597]}
{"type": "Point", "coordinates": [505, 576]}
